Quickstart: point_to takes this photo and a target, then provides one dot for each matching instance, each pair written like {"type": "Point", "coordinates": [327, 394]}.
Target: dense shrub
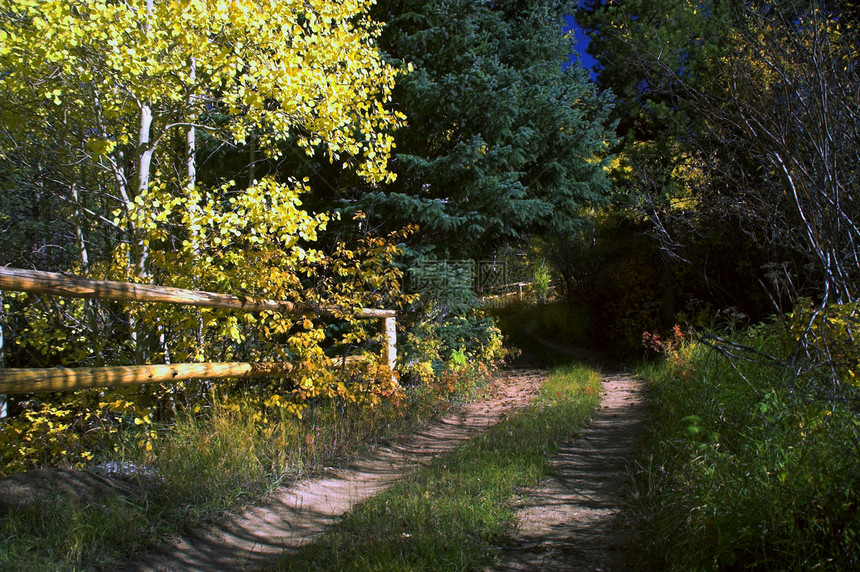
{"type": "Point", "coordinates": [746, 466]}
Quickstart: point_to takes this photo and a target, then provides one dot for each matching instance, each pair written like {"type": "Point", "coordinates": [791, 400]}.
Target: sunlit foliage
{"type": "Point", "coordinates": [102, 104]}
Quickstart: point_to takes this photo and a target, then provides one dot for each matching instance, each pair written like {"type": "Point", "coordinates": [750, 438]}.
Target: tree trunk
{"type": "Point", "coordinates": [191, 134]}
{"type": "Point", "coordinates": [3, 399]}
{"type": "Point", "coordinates": [252, 169]}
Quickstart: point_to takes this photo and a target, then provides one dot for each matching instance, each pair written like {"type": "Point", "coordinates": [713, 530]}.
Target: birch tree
{"type": "Point", "coordinates": [131, 72]}
{"type": "Point", "coordinates": [132, 78]}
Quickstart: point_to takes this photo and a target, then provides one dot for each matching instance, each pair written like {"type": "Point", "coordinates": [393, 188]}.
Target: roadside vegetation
{"type": "Point", "coordinates": [747, 465]}
{"type": "Point", "coordinates": [204, 464]}
{"type": "Point", "coordinates": [456, 513]}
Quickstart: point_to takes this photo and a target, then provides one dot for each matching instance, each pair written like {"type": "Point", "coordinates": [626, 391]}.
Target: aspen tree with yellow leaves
{"type": "Point", "coordinates": [102, 108]}
{"type": "Point", "coordinates": [127, 78]}
{"type": "Point", "coordinates": [131, 74]}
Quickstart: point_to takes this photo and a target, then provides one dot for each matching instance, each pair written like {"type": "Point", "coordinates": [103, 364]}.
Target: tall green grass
{"type": "Point", "coordinates": [64, 534]}
{"type": "Point", "coordinates": [755, 473]}
{"type": "Point", "coordinates": [457, 513]}
{"type": "Point", "coordinates": [205, 464]}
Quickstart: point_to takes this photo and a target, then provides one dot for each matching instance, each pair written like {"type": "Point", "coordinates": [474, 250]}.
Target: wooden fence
{"type": "Point", "coordinates": [32, 380]}
{"type": "Point", "coordinates": [514, 291]}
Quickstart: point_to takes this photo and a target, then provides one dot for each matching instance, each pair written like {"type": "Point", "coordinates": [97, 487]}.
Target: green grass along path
{"type": "Point", "coordinates": [570, 522]}
{"type": "Point", "coordinates": [294, 515]}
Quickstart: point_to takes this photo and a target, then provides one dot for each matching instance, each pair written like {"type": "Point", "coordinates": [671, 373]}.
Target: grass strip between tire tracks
{"type": "Point", "coordinates": [456, 513]}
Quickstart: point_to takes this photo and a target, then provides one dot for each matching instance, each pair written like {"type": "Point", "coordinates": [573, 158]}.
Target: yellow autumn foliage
{"type": "Point", "coordinates": [95, 71]}
{"type": "Point", "coordinates": [277, 68]}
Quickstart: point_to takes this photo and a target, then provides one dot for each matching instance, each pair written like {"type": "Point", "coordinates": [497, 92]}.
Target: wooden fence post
{"type": "Point", "coordinates": [389, 348]}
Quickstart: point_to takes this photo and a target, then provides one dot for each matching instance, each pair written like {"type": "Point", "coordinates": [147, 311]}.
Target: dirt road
{"type": "Point", "coordinates": [571, 522]}
{"type": "Point", "coordinates": [294, 515]}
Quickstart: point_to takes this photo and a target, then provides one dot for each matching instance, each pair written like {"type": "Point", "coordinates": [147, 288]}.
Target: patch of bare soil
{"type": "Point", "coordinates": [294, 515]}
{"type": "Point", "coordinates": [573, 520]}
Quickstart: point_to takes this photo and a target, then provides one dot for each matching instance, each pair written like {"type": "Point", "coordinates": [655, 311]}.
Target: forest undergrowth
{"type": "Point", "coordinates": [747, 465]}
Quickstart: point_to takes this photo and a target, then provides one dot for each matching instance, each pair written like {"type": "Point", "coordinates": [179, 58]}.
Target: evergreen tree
{"type": "Point", "coordinates": [501, 140]}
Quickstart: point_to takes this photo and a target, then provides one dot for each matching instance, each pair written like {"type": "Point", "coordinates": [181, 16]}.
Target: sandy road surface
{"type": "Point", "coordinates": [294, 515]}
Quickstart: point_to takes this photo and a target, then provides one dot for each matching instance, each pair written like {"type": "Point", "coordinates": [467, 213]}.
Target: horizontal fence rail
{"type": "Point", "coordinates": [71, 286]}
{"type": "Point", "coordinates": [34, 380]}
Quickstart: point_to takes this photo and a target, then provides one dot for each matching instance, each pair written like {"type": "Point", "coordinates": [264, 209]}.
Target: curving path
{"type": "Point", "coordinates": [294, 515]}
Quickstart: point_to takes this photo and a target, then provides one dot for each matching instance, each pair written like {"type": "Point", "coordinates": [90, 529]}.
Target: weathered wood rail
{"type": "Point", "coordinates": [32, 380]}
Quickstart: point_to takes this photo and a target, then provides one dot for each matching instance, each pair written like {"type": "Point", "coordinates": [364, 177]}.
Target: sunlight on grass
{"type": "Point", "coordinates": [760, 472]}
{"type": "Point", "coordinates": [457, 513]}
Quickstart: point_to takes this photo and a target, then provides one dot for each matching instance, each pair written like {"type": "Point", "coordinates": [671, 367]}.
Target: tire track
{"type": "Point", "coordinates": [573, 520]}
{"type": "Point", "coordinates": [294, 515]}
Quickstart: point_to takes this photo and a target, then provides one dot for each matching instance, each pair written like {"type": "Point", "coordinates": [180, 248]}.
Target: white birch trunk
{"type": "Point", "coordinates": [139, 247]}
{"type": "Point", "coordinates": [252, 170]}
{"type": "Point", "coordinates": [191, 134]}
